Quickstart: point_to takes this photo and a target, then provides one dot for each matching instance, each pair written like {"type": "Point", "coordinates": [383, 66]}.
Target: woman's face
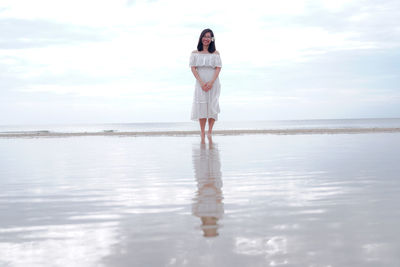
{"type": "Point", "coordinates": [206, 40]}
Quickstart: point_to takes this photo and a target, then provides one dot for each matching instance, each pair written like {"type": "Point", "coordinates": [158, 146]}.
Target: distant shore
{"type": "Point", "coordinates": [38, 134]}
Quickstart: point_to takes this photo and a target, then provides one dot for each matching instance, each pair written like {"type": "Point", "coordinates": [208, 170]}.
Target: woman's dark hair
{"type": "Point", "coordinates": [211, 47]}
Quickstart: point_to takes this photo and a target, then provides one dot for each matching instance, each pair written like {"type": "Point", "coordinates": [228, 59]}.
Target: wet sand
{"type": "Point", "coordinates": [248, 200]}
{"type": "Point", "coordinates": [189, 133]}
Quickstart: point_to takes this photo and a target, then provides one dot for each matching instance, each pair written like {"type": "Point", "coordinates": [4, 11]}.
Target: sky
{"type": "Point", "coordinates": [128, 61]}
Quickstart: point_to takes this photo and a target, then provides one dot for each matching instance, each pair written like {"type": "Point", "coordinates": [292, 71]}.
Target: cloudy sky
{"type": "Point", "coordinates": [127, 61]}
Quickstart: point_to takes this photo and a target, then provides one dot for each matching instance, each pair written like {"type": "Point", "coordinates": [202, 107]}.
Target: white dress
{"type": "Point", "coordinates": [208, 201]}
{"type": "Point", "coordinates": [205, 104]}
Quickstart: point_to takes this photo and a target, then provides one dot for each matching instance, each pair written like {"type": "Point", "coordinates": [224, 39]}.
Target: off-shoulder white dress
{"type": "Point", "coordinates": [205, 104]}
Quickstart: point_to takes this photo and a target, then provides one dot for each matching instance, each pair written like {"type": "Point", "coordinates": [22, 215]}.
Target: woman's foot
{"type": "Point", "coordinates": [203, 137]}
{"type": "Point", "coordinates": [209, 136]}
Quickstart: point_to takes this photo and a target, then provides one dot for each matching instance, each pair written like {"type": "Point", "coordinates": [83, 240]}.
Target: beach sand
{"type": "Point", "coordinates": [248, 200]}
{"type": "Point", "coordinates": [30, 134]}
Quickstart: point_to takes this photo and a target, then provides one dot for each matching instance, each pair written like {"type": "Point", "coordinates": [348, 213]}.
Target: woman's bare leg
{"type": "Point", "coordinates": [210, 127]}
{"type": "Point", "coordinates": [203, 129]}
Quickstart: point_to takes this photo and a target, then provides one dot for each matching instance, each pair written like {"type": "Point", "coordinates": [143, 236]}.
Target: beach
{"type": "Point", "coordinates": [30, 134]}
{"type": "Point", "coordinates": [250, 199]}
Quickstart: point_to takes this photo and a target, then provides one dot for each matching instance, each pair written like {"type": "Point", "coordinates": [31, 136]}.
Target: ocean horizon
{"type": "Point", "coordinates": [190, 126]}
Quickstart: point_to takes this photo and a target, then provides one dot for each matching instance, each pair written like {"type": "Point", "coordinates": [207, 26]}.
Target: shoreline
{"type": "Point", "coordinates": [40, 134]}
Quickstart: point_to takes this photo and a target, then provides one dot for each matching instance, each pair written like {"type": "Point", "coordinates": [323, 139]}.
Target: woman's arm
{"type": "Point", "coordinates": [209, 84]}
{"type": "Point", "coordinates": [216, 73]}
{"type": "Point", "coordinates": [196, 75]}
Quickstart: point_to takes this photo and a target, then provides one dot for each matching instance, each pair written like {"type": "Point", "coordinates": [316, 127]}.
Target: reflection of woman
{"type": "Point", "coordinates": [208, 204]}
{"type": "Point", "coordinates": [205, 63]}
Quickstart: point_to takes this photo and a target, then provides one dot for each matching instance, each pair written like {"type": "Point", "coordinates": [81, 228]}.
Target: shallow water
{"type": "Point", "coordinates": [254, 200]}
{"type": "Point", "coordinates": [193, 126]}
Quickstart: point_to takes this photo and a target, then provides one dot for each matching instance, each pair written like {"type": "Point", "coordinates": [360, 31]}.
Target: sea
{"type": "Point", "coordinates": [193, 126]}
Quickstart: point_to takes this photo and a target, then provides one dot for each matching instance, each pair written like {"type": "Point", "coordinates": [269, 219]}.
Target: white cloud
{"type": "Point", "coordinates": [140, 91]}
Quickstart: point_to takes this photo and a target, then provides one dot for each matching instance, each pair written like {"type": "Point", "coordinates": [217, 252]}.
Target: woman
{"type": "Point", "coordinates": [208, 202]}
{"type": "Point", "coordinates": [205, 63]}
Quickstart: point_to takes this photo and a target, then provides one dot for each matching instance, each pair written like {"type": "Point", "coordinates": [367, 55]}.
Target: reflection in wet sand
{"type": "Point", "coordinates": [208, 205]}
{"type": "Point", "coordinates": [304, 200]}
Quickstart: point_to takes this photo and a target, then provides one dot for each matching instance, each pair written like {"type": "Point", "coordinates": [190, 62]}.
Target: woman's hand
{"type": "Point", "coordinates": [203, 86]}
{"type": "Point", "coordinates": [207, 86]}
